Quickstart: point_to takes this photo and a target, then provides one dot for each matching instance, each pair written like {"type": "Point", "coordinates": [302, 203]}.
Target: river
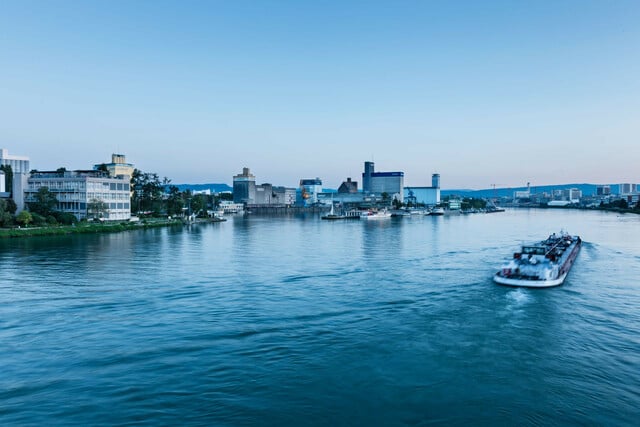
{"type": "Point", "coordinates": [278, 321]}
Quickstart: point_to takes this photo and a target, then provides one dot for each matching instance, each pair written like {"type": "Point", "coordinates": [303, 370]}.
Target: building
{"type": "Point", "coordinates": [377, 183]}
{"type": "Point", "coordinates": [428, 196]}
{"type": "Point", "coordinates": [526, 194]}
{"type": "Point", "coordinates": [85, 194]}
{"type": "Point", "coordinates": [118, 166]}
{"type": "Point", "coordinates": [244, 187]}
{"type": "Point", "coordinates": [2, 182]}
{"type": "Point", "coordinates": [309, 190]}
{"type": "Point", "coordinates": [264, 194]}
{"type": "Point", "coordinates": [284, 196]}
{"type": "Point", "coordinates": [575, 195]}
{"type": "Point", "coordinates": [348, 186]}
{"type": "Point", "coordinates": [603, 190]}
{"type": "Point", "coordinates": [20, 169]}
{"type": "Point", "coordinates": [627, 189]}
{"type": "Point", "coordinates": [19, 164]}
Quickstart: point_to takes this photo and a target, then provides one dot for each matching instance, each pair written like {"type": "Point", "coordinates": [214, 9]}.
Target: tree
{"type": "Point", "coordinates": [61, 170]}
{"type": "Point", "coordinates": [96, 208]}
{"type": "Point", "coordinates": [7, 209]}
{"type": "Point", "coordinates": [102, 167]}
{"type": "Point", "coordinates": [24, 218]}
{"type": "Point", "coordinates": [147, 192]}
{"type": "Point", "coordinates": [45, 202]}
{"type": "Point", "coordinates": [397, 204]}
{"type": "Point", "coordinates": [198, 204]}
{"type": "Point", "coordinates": [175, 203]}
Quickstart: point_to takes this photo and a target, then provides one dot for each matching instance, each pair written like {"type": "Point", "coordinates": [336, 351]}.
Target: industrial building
{"type": "Point", "coordinates": [427, 196]}
{"type": "Point", "coordinates": [84, 193]}
{"type": "Point", "coordinates": [378, 183]}
{"type": "Point", "coordinates": [348, 186]}
{"type": "Point", "coordinates": [309, 191]}
{"type": "Point", "coordinates": [246, 191]}
{"type": "Point", "coordinates": [244, 187]}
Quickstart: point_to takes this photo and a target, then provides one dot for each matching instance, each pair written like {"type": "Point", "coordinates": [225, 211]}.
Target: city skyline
{"type": "Point", "coordinates": [482, 93]}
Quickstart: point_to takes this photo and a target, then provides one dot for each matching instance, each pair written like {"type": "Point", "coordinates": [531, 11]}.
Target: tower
{"type": "Point", "coordinates": [369, 170]}
{"type": "Point", "coordinates": [435, 180]}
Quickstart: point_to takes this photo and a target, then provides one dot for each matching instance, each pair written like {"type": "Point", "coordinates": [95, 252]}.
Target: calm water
{"type": "Point", "coordinates": [297, 321]}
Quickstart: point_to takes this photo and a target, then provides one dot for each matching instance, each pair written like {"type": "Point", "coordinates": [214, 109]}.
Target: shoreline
{"type": "Point", "coordinates": [62, 230]}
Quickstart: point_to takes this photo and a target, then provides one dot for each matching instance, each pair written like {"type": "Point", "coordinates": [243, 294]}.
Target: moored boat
{"type": "Point", "coordinates": [541, 265]}
{"type": "Point", "coordinates": [369, 215]}
{"type": "Point", "coordinates": [332, 215]}
{"type": "Point", "coordinates": [437, 211]}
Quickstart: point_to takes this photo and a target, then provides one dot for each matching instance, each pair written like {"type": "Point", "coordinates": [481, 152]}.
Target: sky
{"type": "Point", "coordinates": [482, 92]}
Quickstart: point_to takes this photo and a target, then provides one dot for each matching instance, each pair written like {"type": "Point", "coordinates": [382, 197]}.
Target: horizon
{"type": "Point", "coordinates": [481, 93]}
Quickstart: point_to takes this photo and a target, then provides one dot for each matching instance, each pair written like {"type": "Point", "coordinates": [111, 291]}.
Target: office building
{"type": "Point", "coordinates": [603, 190]}
{"type": "Point", "coordinates": [85, 194]}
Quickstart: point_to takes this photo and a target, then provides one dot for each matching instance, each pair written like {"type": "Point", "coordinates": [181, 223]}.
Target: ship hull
{"type": "Point", "coordinates": [529, 283]}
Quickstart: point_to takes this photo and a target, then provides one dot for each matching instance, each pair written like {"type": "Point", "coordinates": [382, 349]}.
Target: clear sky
{"type": "Point", "coordinates": [482, 92]}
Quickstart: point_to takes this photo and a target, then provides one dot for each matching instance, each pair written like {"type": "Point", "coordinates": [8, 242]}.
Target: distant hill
{"type": "Point", "coordinates": [587, 190]}
{"type": "Point", "coordinates": [214, 188]}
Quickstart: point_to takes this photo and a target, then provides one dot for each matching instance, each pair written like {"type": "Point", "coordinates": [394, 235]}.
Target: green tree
{"type": "Point", "coordinates": [24, 218]}
{"type": "Point", "coordinates": [147, 192]}
{"type": "Point", "coordinates": [45, 202]}
{"type": "Point", "coordinates": [96, 208]}
{"type": "Point", "coordinates": [175, 201]}
{"type": "Point", "coordinates": [7, 210]}
{"type": "Point", "coordinates": [199, 204]}
{"type": "Point", "coordinates": [61, 170]}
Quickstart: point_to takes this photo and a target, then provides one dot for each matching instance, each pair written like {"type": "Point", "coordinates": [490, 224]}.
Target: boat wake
{"type": "Point", "coordinates": [518, 297]}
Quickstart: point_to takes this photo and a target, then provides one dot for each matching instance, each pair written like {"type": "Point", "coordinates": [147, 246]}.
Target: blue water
{"type": "Point", "coordinates": [296, 321]}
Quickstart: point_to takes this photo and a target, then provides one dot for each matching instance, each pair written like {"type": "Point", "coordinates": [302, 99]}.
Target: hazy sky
{"type": "Point", "coordinates": [481, 92]}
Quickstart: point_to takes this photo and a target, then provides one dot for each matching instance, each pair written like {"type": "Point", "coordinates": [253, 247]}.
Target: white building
{"type": "Point", "coordinates": [19, 164]}
{"type": "Point", "coordinates": [20, 169]}
{"type": "Point", "coordinates": [85, 194]}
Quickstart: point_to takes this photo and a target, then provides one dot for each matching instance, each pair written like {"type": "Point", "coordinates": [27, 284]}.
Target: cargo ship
{"type": "Point", "coordinates": [541, 265]}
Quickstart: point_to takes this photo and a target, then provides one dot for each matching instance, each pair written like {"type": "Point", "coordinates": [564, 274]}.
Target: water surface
{"type": "Point", "coordinates": [297, 321]}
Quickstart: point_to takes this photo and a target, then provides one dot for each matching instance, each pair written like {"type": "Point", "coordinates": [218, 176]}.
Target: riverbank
{"type": "Point", "coordinates": [86, 228]}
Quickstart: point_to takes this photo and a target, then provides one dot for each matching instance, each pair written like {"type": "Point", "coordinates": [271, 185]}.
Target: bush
{"type": "Point", "coordinates": [65, 218]}
{"type": "Point", "coordinates": [51, 220]}
{"type": "Point", "coordinates": [38, 220]}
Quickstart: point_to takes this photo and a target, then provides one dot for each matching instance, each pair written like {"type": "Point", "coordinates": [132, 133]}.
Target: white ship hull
{"type": "Point", "coordinates": [529, 283]}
